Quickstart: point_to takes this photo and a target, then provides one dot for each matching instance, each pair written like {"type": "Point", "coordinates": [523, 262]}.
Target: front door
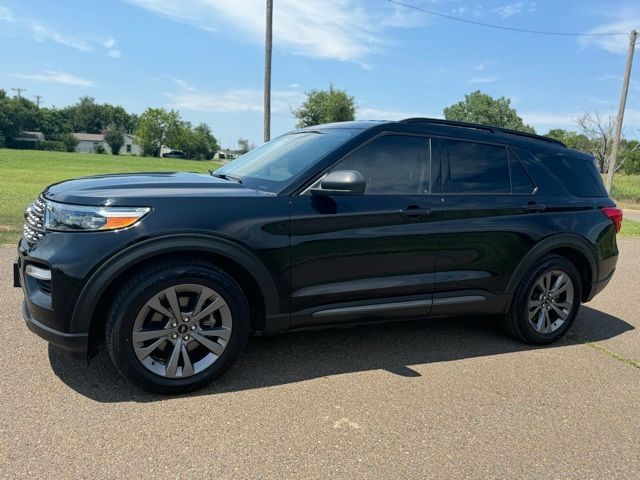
{"type": "Point", "coordinates": [367, 256]}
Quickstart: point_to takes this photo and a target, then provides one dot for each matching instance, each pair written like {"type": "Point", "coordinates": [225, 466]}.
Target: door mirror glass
{"type": "Point", "coordinates": [341, 182]}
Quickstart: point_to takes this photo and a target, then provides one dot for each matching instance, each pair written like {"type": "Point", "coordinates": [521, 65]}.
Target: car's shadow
{"type": "Point", "coordinates": [298, 356]}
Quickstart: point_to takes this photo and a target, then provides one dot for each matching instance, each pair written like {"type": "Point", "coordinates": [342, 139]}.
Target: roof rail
{"type": "Point", "coordinates": [477, 126]}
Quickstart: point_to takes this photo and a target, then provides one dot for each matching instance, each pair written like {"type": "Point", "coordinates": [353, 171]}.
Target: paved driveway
{"type": "Point", "coordinates": [435, 399]}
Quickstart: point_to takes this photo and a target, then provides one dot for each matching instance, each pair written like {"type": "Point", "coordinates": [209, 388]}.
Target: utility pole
{"type": "Point", "coordinates": [19, 90]}
{"type": "Point", "coordinates": [38, 97]}
{"type": "Point", "coordinates": [267, 72]}
{"type": "Point", "coordinates": [633, 36]}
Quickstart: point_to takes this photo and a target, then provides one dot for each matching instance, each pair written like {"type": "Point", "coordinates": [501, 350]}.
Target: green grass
{"type": "Point", "coordinates": [25, 173]}
{"type": "Point", "coordinates": [630, 228]}
{"type": "Point", "coordinates": [626, 190]}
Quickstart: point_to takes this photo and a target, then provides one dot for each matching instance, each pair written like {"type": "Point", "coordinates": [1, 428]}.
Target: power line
{"type": "Point", "coordinates": [38, 100]}
{"type": "Point", "coordinates": [502, 27]}
{"type": "Point", "coordinates": [19, 90]}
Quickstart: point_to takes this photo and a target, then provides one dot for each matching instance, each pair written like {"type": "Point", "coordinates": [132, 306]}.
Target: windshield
{"type": "Point", "coordinates": [271, 166]}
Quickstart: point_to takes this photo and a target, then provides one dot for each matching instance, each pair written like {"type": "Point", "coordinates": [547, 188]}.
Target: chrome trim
{"type": "Point", "coordinates": [380, 307]}
{"type": "Point", "coordinates": [459, 300]}
{"type": "Point", "coordinates": [390, 306]}
{"type": "Point", "coordinates": [38, 272]}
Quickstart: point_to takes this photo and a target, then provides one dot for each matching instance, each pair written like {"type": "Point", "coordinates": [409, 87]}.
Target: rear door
{"type": "Point", "coordinates": [490, 220]}
{"type": "Point", "coordinates": [353, 255]}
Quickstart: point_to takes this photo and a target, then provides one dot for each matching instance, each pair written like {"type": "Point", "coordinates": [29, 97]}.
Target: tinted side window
{"type": "Point", "coordinates": [580, 177]}
{"type": "Point", "coordinates": [392, 164]}
{"type": "Point", "coordinates": [520, 181]}
{"type": "Point", "coordinates": [477, 168]}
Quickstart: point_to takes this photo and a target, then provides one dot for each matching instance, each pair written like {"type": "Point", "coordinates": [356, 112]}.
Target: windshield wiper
{"type": "Point", "coordinates": [226, 177]}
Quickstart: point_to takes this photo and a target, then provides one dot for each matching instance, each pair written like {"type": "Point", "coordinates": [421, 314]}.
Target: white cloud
{"type": "Point", "coordinates": [543, 121]}
{"type": "Point", "coordinates": [482, 80]}
{"type": "Point", "coordinates": [183, 85]}
{"type": "Point", "coordinates": [54, 76]}
{"type": "Point", "coordinates": [346, 30]}
{"type": "Point", "coordinates": [369, 113]}
{"type": "Point", "coordinates": [515, 8]}
{"type": "Point", "coordinates": [621, 20]}
{"type": "Point", "coordinates": [234, 101]}
{"type": "Point", "coordinates": [6, 15]}
{"type": "Point", "coordinates": [43, 33]}
{"type": "Point", "coordinates": [109, 43]}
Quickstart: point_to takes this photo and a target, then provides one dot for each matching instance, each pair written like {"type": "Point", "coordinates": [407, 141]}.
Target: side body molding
{"type": "Point", "coordinates": [563, 240]}
{"type": "Point", "coordinates": [134, 254]}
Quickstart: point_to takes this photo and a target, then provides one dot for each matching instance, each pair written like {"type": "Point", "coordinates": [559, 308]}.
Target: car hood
{"type": "Point", "coordinates": [127, 189]}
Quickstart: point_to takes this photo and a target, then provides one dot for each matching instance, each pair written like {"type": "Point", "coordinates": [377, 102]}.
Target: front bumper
{"type": "Point", "coordinates": [72, 344]}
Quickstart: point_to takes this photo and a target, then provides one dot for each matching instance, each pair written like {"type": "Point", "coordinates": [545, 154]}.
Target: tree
{"type": "Point", "coordinates": [151, 130]}
{"type": "Point", "coordinates": [203, 144]}
{"type": "Point", "coordinates": [325, 106]}
{"type": "Point", "coordinates": [478, 107]}
{"type": "Point", "coordinates": [244, 146]}
{"type": "Point", "coordinates": [114, 137]}
{"type": "Point", "coordinates": [577, 141]}
{"type": "Point", "coordinates": [70, 142]}
{"type": "Point", "coordinates": [600, 132]}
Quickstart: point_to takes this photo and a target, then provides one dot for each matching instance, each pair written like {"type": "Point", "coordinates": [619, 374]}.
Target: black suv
{"type": "Point", "coordinates": [328, 225]}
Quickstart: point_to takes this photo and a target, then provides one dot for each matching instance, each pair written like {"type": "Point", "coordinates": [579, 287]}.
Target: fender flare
{"type": "Point", "coordinates": [562, 240]}
{"type": "Point", "coordinates": [84, 310]}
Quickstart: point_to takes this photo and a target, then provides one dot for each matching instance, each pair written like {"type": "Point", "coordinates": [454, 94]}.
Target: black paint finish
{"type": "Point", "coordinates": [312, 260]}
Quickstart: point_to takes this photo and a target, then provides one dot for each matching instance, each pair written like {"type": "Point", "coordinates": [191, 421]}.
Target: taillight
{"type": "Point", "coordinates": [614, 214]}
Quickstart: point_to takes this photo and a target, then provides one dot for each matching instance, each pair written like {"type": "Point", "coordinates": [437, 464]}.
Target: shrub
{"type": "Point", "coordinates": [70, 142]}
{"type": "Point", "coordinates": [49, 145]}
{"type": "Point", "coordinates": [100, 149]}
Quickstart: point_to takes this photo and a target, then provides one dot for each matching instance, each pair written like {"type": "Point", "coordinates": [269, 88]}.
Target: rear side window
{"type": "Point", "coordinates": [520, 181]}
{"type": "Point", "coordinates": [476, 168]}
{"type": "Point", "coordinates": [580, 176]}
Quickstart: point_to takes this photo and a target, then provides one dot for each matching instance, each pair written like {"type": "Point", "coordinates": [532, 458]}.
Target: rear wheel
{"type": "Point", "coordinates": [546, 301]}
{"type": "Point", "coordinates": [177, 326]}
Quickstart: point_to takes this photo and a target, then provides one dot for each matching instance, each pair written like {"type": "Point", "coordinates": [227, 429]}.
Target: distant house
{"type": "Point", "coordinates": [88, 143]}
{"type": "Point", "coordinates": [29, 137]}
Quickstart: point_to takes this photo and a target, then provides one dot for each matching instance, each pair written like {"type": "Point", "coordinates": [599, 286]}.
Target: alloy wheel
{"type": "Point", "coordinates": [550, 301]}
{"type": "Point", "coordinates": [182, 330]}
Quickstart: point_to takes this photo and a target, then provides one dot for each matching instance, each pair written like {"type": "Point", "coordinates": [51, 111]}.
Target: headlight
{"type": "Point", "coordinates": [62, 217]}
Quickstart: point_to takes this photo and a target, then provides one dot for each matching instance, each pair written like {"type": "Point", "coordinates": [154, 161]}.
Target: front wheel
{"type": "Point", "coordinates": [546, 302]}
{"type": "Point", "coordinates": [177, 326]}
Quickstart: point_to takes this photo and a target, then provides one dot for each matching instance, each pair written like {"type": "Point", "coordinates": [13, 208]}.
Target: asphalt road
{"type": "Point", "coordinates": [449, 398]}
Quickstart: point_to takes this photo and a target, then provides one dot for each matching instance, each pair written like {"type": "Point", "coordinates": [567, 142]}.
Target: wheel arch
{"type": "Point", "coordinates": [253, 277]}
{"type": "Point", "coordinates": [573, 247]}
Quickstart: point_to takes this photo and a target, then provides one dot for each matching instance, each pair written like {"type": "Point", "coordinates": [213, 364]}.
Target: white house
{"type": "Point", "coordinates": [88, 142]}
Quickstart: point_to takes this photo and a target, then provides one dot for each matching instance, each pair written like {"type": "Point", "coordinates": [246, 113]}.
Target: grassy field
{"type": "Point", "coordinates": [626, 190]}
{"type": "Point", "coordinates": [25, 173]}
{"type": "Point", "coordinates": [630, 228]}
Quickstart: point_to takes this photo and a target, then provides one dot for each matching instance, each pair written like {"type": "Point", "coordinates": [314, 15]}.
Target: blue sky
{"type": "Point", "coordinates": [205, 57]}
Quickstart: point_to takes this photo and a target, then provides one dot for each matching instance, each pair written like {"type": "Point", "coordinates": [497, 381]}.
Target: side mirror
{"type": "Point", "coordinates": [341, 182]}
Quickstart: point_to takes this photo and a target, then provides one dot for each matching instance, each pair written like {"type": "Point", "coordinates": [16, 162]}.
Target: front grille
{"type": "Point", "coordinates": [45, 286]}
{"type": "Point", "coordinates": [34, 221]}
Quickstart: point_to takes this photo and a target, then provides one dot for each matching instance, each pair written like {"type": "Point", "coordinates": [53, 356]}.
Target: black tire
{"type": "Point", "coordinates": [132, 297]}
{"type": "Point", "coordinates": [516, 321]}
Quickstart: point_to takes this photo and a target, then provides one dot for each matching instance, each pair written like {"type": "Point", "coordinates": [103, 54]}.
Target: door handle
{"type": "Point", "coordinates": [415, 211]}
{"type": "Point", "coordinates": [534, 207]}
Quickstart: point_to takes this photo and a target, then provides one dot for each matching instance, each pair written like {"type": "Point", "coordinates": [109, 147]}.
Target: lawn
{"type": "Point", "coordinates": [630, 228]}
{"type": "Point", "coordinates": [626, 190]}
{"type": "Point", "coordinates": [25, 173]}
